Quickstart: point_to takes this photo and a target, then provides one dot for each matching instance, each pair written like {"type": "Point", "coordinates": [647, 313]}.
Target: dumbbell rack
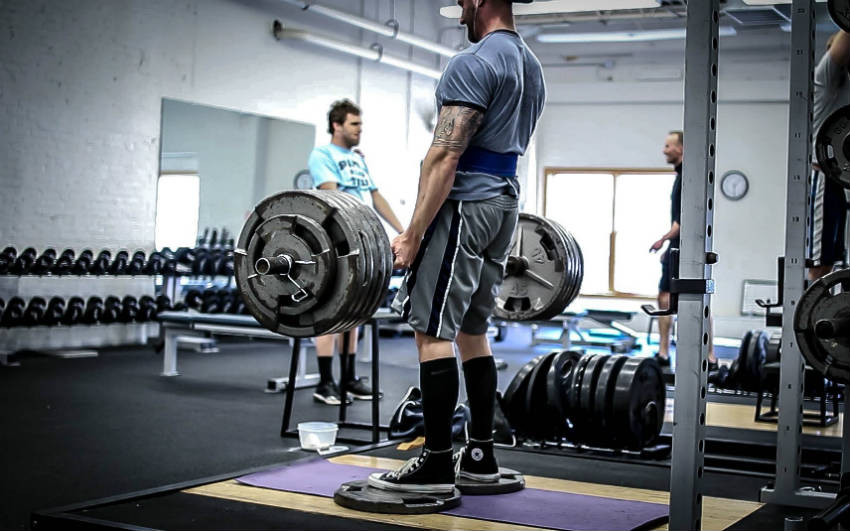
{"type": "Point", "coordinates": [61, 338]}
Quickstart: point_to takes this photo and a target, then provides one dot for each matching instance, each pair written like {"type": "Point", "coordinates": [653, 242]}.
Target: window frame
{"type": "Point", "coordinates": [550, 171]}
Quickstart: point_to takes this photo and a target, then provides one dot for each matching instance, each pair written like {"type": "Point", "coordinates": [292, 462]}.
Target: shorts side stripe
{"type": "Point", "coordinates": [452, 272]}
{"type": "Point", "coordinates": [444, 278]}
{"type": "Point", "coordinates": [818, 218]}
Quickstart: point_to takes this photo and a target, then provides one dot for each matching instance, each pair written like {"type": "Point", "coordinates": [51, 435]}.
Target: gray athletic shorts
{"type": "Point", "coordinates": [454, 279]}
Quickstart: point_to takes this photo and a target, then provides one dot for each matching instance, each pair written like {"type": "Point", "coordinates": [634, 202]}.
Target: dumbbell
{"type": "Point", "coordinates": [225, 300]}
{"type": "Point", "coordinates": [54, 312]}
{"type": "Point", "coordinates": [74, 311]}
{"type": "Point", "coordinates": [44, 263]}
{"type": "Point", "coordinates": [136, 266]}
{"type": "Point", "coordinates": [111, 310]}
{"type": "Point", "coordinates": [163, 304]}
{"type": "Point", "coordinates": [94, 311]}
{"type": "Point", "coordinates": [119, 265]}
{"type": "Point", "coordinates": [7, 258]}
{"type": "Point", "coordinates": [100, 265]}
{"type": "Point", "coordinates": [193, 299]}
{"type": "Point", "coordinates": [202, 240]}
{"type": "Point", "coordinates": [210, 302]}
{"type": "Point", "coordinates": [23, 262]}
{"type": "Point", "coordinates": [129, 309]}
{"type": "Point", "coordinates": [226, 266]}
{"type": "Point", "coordinates": [34, 312]}
{"type": "Point", "coordinates": [147, 309]}
{"type": "Point", "coordinates": [201, 261]}
{"type": "Point", "coordinates": [13, 313]}
{"type": "Point", "coordinates": [83, 263]}
{"type": "Point", "coordinates": [155, 265]}
{"type": "Point", "coordinates": [63, 264]}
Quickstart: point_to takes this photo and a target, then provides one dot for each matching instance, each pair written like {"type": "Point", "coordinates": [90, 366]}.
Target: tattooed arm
{"type": "Point", "coordinates": [455, 128]}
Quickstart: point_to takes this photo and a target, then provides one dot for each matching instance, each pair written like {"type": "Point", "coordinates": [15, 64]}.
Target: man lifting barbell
{"type": "Point", "coordinates": [490, 98]}
{"type": "Point", "coordinates": [336, 166]}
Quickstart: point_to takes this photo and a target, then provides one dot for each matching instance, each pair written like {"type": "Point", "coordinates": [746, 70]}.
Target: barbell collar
{"type": "Point", "coordinates": [275, 265]}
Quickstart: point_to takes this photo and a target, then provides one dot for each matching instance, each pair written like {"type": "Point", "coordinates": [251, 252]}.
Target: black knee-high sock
{"type": "Point", "coordinates": [438, 380]}
{"type": "Point", "coordinates": [480, 377]}
{"type": "Point", "coordinates": [326, 374]}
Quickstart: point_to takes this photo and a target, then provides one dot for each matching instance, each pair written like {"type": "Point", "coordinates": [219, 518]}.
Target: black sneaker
{"type": "Point", "coordinates": [360, 390]}
{"type": "Point", "coordinates": [430, 473]}
{"type": "Point", "coordinates": [663, 361]}
{"type": "Point", "coordinates": [477, 462]}
{"type": "Point", "coordinates": [713, 365]}
{"type": "Point", "coordinates": [328, 392]}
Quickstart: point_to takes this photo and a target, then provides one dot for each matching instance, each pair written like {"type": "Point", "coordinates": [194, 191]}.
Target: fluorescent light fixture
{"type": "Point", "coordinates": [549, 7]}
{"type": "Point", "coordinates": [624, 36]}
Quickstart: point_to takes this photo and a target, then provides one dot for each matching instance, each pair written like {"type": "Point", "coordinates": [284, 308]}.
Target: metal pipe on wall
{"type": "Point", "coordinates": [375, 27]}
{"type": "Point", "coordinates": [374, 54]}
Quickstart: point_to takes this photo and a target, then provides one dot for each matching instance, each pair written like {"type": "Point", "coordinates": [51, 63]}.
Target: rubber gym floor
{"type": "Point", "coordinates": [77, 430]}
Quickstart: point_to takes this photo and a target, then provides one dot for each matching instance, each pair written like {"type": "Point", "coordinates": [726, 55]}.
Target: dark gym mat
{"type": "Point", "coordinates": [532, 507]}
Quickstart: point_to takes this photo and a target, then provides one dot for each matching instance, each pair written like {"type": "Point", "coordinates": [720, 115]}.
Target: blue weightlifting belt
{"type": "Point", "coordinates": [480, 160]}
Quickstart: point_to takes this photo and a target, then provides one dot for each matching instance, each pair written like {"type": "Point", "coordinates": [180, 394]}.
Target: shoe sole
{"type": "Point", "coordinates": [331, 401]}
{"type": "Point", "coordinates": [375, 481]}
{"type": "Point", "coordinates": [481, 478]}
{"type": "Point", "coordinates": [362, 397]}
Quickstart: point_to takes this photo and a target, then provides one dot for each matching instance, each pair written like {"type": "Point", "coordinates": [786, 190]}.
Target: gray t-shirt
{"type": "Point", "coordinates": [832, 91]}
{"type": "Point", "coordinates": [501, 77]}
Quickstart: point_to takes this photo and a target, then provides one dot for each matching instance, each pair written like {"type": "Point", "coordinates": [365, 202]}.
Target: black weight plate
{"type": "Point", "coordinates": [359, 496]}
{"type": "Point", "coordinates": [747, 382]}
{"type": "Point", "coordinates": [536, 399]}
{"type": "Point", "coordinates": [571, 269]}
{"type": "Point", "coordinates": [348, 207]}
{"type": "Point", "coordinates": [832, 147]}
{"type": "Point", "coordinates": [826, 299]}
{"type": "Point", "coordinates": [587, 397]}
{"type": "Point", "coordinates": [514, 397]}
{"type": "Point", "coordinates": [638, 403]}
{"type": "Point", "coordinates": [602, 401]}
{"type": "Point", "coordinates": [509, 481]}
{"type": "Point", "coordinates": [558, 382]}
{"type": "Point", "coordinates": [572, 400]}
{"type": "Point", "coordinates": [839, 11]}
{"type": "Point", "coordinates": [757, 357]}
{"type": "Point", "coordinates": [774, 346]}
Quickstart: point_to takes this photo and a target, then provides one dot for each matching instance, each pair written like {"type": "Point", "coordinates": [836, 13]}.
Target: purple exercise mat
{"type": "Point", "coordinates": [532, 507]}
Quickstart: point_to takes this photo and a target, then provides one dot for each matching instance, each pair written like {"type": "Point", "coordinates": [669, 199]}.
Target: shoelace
{"type": "Point", "coordinates": [457, 458]}
{"type": "Point", "coordinates": [411, 464]}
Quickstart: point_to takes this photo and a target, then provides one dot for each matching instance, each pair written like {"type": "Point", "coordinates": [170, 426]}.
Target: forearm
{"type": "Point", "coordinates": [435, 183]}
{"type": "Point", "coordinates": [383, 208]}
{"type": "Point", "coordinates": [673, 232]}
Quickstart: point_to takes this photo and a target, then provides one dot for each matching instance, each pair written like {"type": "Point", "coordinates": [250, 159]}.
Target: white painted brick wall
{"type": "Point", "coordinates": [81, 84]}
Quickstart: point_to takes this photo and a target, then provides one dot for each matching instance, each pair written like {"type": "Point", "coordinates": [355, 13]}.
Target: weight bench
{"type": "Point", "coordinates": [828, 390]}
{"type": "Point", "coordinates": [569, 322]}
{"type": "Point", "coordinates": [191, 327]}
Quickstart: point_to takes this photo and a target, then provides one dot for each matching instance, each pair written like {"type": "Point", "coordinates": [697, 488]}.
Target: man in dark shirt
{"type": "Point", "coordinates": [673, 151]}
{"type": "Point", "coordinates": [489, 97]}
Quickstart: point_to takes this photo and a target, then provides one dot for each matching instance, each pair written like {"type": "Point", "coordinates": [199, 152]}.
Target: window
{"type": "Point", "coordinates": [177, 202]}
{"type": "Point", "coordinates": [615, 215]}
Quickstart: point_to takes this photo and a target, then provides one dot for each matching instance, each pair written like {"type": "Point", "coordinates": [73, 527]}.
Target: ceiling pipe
{"type": "Point", "coordinates": [387, 30]}
{"type": "Point", "coordinates": [375, 53]}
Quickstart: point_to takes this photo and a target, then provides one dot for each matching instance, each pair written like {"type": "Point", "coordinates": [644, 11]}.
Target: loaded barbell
{"type": "Point", "coordinates": [311, 262]}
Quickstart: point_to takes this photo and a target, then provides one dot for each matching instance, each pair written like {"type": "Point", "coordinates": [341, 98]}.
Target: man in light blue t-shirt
{"type": "Point", "coordinates": [336, 166]}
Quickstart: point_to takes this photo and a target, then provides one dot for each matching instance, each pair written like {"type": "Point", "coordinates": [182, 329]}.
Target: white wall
{"type": "Point", "coordinates": [81, 88]}
{"type": "Point", "coordinates": [615, 120]}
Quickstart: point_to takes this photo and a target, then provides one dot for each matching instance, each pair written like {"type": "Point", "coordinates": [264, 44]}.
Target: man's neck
{"type": "Point", "coordinates": [340, 142]}
{"type": "Point", "coordinates": [498, 22]}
